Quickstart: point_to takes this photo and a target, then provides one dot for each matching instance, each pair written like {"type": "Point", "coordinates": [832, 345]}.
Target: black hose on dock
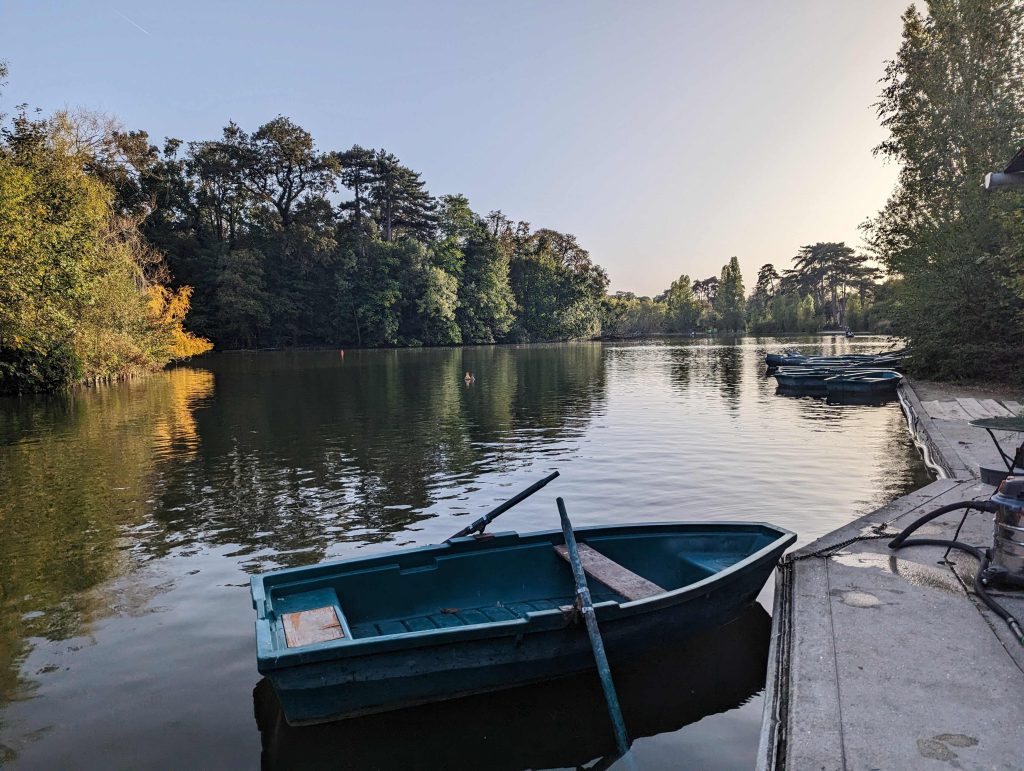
{"type": "Point", "coordinates": [988, 506]}
{"type": "Point", "coordinates": [980, 554]}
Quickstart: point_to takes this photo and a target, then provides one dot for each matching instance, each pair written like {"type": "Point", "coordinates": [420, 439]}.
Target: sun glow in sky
{"type": "Point", "coordinates": [667, 136]}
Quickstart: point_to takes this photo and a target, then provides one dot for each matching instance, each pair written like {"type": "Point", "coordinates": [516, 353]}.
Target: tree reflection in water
{"type": "Point", "coordinates": [360, 448]}
{"type": "Point", "coordinates": [77, 472]}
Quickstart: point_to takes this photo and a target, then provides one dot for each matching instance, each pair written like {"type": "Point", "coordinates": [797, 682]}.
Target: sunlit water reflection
{"type": "Point", "coordinates": [132, 515]}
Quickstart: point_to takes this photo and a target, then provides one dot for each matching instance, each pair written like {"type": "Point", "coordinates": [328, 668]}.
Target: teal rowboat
{"type": "Point", "coordinates": [879, 382]}
{"type": "Point", "coordinates": [482, 613]}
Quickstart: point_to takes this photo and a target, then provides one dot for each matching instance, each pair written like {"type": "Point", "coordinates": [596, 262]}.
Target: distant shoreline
{"type": "Point", "coordinates": [599, 339]}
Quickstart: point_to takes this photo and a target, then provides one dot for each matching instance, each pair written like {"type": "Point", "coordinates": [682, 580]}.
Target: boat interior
{"type": "Point", "coordinates": [502, 579]}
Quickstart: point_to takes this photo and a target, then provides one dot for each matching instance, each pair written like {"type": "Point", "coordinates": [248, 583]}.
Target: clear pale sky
{"type": "Point", "coordinates": [667, 136]}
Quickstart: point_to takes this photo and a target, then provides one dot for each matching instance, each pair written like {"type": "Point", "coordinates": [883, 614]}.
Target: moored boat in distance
{"type": "Point", "coordinates": [807, 379]}
{"type": "Point", "coordinates": [780, 359]}
{"type": "Point", "coordinates": [482, 613]}
{"type": "Point", "coordinates": [873, 382]}
{"type": "Point", "coordinates": [815, 378]}
{"type": "Point", "coordinates": [888, 359]}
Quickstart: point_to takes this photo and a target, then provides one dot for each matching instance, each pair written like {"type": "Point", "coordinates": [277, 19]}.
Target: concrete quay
{"type": "Point", "coordinates": [887, 660]}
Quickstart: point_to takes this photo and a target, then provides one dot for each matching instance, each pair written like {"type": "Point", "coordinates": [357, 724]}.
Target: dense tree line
{"type": "Point", "coordinates": [686, 306]}
{"type": "Point", "coordinates": [953, 104]}
{"type": "Point", "coordinates": [82, 294]}
{"type": "Point", "coordinates": [828, 287]}
{"type": "Point", "coordinates": [288, 245]}
{"type": "Point", "coordinates": [263, 240]}
{"type": "Point", "coordinates": [106, 240]}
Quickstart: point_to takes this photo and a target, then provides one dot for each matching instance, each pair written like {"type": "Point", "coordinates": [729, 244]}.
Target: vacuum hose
{"type": "Point", "coordinates": [979, 554]}
{"type": "Point", "coordinates": [897, 542]}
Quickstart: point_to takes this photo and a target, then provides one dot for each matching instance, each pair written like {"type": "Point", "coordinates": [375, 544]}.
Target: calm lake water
{"type": "Point", "coordinates": [131, 517]}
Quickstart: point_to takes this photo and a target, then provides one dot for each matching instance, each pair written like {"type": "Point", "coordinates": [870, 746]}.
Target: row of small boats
{"type": "Point", "coordinates": [845, 375]}
{"type": "Point", "coordinates": [882, 360]}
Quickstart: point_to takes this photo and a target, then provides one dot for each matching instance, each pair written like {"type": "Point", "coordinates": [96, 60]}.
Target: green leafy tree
{"type": "Point", "coordinates": [627, 315]}
{"type": "Point", "coordinates": [730, 299]}
{"type": "Point", "coordinates": [485, 302]}
{"type": "Point", "coordinates": [358, 174]}
{"type": "Point", "coordinates": [559, 292]}
{"type": "Point", "coordinates": [401, 203]}
{"type": "Point", "coordinates": [682, 309]}
{"type": "Point", "coordinates": [280, 165]}
{"type": "Point", "coordinates": [80, 288]}
{"type": "Point", "coordinates": [437, 307]}
{"type": "Point", "coordinates": [241, 302]}
{"type": "Point", "coordinates": [52, 215]}
{"type": "Point", "coordinates": [953, 105]}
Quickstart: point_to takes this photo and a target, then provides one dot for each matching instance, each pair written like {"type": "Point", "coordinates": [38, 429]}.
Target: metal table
{"type": "Point", "coordinates": [1010, 425]}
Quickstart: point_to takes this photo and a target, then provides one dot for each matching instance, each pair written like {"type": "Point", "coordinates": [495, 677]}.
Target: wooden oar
{"type": "Point", "coordinates": [587, 609]}
{"type": "Point", "coordinates": [486, 519]}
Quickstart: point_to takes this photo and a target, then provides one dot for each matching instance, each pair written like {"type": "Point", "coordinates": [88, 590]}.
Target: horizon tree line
{"type": "Point", "coordinates": [829, 286]}
{"type": "Point", "coordinates": [288, 245]}
{"type": "Point", "coordinates": [260, 239]}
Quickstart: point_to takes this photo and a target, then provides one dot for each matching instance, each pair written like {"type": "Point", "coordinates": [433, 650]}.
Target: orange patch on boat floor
{"type": "Point", "coordinates": [311, 626]}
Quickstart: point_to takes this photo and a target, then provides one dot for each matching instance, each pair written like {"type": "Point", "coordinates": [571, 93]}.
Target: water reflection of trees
{"type": "Point", "coordinates": [291, 453]}
{"type": "Point", "coordinates": [303, 451]}
{"type": "Point", "coordinates": [727, 367]}
{"type": "Point", "coordinates": [76, 472]}
{"type": "Point", "coordinates": [718, 366]}
{"type": "Point", "coordinates": [900, 470]}
{"type": "Point", "coordinates": [679, 363]}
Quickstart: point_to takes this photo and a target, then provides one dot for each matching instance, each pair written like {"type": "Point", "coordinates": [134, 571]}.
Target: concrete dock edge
{"type": "Point", "coordinates": [816, 705]}
{"type": "Point", "coordinates": [936, 449]}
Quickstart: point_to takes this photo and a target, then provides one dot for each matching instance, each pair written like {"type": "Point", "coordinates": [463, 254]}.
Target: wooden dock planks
{"type": "Point", "coordinates": [974, 408]}
{"type": "Point", "coordinates": [935, 410]}
{"type": "Point", "coordinates": [1012, 406]}
{"type": "Point", "coordinates": [948, 410]}
{"type": "Point", "coordinates": [996, 408]}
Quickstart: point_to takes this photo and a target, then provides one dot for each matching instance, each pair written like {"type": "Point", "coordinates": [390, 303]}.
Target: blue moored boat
{"type": "Point", "coordinates": [890, 360]}
{"type": "Point", "coordinates": [784, 359]}
{"type": "Point", "coordinates": [814, 379]}
{"type": "Point", "coordinates": [875, 382]}
{"type": "Point", "coordinates": [481, 613]}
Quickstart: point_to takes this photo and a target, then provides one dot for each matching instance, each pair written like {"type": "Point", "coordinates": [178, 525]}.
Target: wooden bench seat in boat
{"type": "Point", "coordinates": [612, 574]}
{"type": "Point", "coordinates": [312, 617]}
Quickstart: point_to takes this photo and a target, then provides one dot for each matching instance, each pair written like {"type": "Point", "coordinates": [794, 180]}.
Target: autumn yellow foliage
{"type": "Point", "coordinates": [82, 292]}
{"type": "Point", "coordinates": [167, 309]}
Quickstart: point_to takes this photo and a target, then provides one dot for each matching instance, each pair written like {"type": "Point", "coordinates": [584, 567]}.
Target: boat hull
{"type": "Point", "coordinates": [338, 689]}
{"type": "Point", "coordinates": [663, 691]}
{"type": "Point", "coordinates": [812, 383]}
{"type": "Point", "coordinates": [863, 388]}
{"type": "Point", "coordinates": [412, 669]}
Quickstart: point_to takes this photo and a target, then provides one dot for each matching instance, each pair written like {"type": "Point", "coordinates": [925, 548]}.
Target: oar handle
{"type": "Point", "coordinates": [497, 511]}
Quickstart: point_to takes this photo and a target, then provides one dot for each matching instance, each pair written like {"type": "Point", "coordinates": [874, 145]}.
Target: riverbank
{"type": "Point", "coordinates": [886, 661]}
